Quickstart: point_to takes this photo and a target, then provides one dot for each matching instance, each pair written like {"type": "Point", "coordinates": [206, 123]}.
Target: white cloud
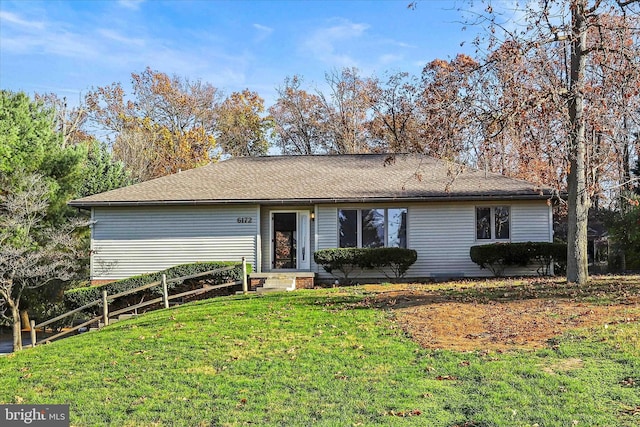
{"type": "Point", "coordinates": [115, 36]}
{"type": "Point", "coordinates": [69, 44]}
{"type": "Point", "coordinates": [263, 32]}
{"type": "Point", "coordinates": [61, 38]}
{"type": "Point", "coordinates": [16, 20]}
{"type": "Point", "coordinates": [263, 28]}
{"type": "Point", "coordinates": [131, 4]}
{"type": "Point", "coordinates": [389, 58]}
{"type": "Point", "coordinates": [324, 43]}
{"type": "Point", "coordinates": [39, 36]}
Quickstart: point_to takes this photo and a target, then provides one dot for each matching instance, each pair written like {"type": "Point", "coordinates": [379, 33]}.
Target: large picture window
{"type": "Point", "coordinates": [372, 228]}
{"type": "Point", "coordinates": [493, 223]}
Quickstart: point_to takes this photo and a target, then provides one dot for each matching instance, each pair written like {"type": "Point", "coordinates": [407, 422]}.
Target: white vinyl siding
{"type": "Point", "coordinates": [443, 233]}
{"type": "Point", "coordinates": [534, 222]}
{"type": "Point", "coordinates": [128, 241]}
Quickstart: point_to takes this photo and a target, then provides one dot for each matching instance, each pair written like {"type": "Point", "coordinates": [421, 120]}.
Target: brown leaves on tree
{"type": "Point", "coordinates": [241, 128]}
{"type": "Point", "coordinates": [167, 126]}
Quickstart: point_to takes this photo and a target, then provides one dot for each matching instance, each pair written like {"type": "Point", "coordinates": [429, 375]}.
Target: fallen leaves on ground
{"type": "Point", "coordinates": [507, 314]}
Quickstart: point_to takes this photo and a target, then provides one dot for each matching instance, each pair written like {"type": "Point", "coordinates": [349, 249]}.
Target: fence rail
{"type": "Point", "coordinates": [165, 298]}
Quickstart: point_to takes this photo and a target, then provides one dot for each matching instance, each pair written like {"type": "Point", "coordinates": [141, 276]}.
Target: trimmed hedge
{"type": "Point", "coordinates": [398, 260]}
{"type": "Point", "coordinates": [346, 260]}
{"type": "Point", "coordinates": [497, 256]}
{"type": "Point", "coordinates": [78, 297]}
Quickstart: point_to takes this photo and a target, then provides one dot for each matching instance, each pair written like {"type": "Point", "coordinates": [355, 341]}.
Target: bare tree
{"type": "Point", "coordinates": [394, 124]}
{"type": "Point", "coordinates": [32, 254]}
{"type": "Point", "coordinates": [333, 122]}
{"type": "Point", "coordinates": [345, 109]}
{"type": "Point", "coordinates": [68, 122]}
{"type": "Point", "coordinates": [297, 119]}
{"type": "Point", "coordinates": [580, 33]}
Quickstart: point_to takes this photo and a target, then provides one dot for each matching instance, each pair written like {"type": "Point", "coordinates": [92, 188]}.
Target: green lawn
{"type": "Point", "coordinates": [320, 357]}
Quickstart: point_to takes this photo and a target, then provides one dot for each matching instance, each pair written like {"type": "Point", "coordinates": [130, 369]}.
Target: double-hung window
{"type": "Point", "coordinates": [372, 228]}
{"type": "Point", "coordinates": [493, 223]}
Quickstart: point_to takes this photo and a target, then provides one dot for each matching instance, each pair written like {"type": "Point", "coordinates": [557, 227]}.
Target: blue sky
{"type": "Point", "coordinates": [67, 47]}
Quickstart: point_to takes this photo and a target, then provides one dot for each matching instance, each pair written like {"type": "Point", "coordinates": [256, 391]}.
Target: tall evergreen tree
{"type": "Point", "coordinates": [29, 143]}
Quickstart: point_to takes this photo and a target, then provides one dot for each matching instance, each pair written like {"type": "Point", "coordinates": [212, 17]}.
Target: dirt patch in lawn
{"type": "Point", "coordinates": [502, 316]}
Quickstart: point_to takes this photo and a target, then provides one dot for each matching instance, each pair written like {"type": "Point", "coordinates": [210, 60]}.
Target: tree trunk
{"type": "Point", "coordinates": [24, 319]}
{"type": "Point", "coordinates": [626, 157]}
{"type": "Point", "coordinates": [579, 200]}
{"type": "Point", "coordinates": [17, 327]}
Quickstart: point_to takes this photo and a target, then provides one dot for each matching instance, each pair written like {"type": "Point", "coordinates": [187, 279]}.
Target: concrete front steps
{"type": "Point", "coordinates": [277, 284]}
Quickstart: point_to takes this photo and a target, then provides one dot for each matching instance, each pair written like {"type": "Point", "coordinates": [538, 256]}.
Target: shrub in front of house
{"type": "Point", "coordinates": [347, 260]}
{"type": "Point", "coordinates": [78, 297]}
{"type": "Point", "coordinates": [498, 256]}
{"type": "Point", "coordinates": [342, 260]}
{"type": "Point", "coordinates": [390, 260]}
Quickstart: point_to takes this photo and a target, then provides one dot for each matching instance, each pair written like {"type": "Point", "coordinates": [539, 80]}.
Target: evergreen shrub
{"type": "Point", "coordinates": [346, 260]}
{"type": "Point", "coordinates": [497, 256]}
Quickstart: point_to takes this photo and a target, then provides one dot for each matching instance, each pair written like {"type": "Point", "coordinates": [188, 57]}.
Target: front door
{"type": "Point", "coordinates": [290, 240]}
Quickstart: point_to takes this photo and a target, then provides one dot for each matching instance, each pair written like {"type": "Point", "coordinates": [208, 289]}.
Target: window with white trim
{"type": "Point", "coordinates": [372, 228]}
{"type": "Point", "coordinates": [493, 222]}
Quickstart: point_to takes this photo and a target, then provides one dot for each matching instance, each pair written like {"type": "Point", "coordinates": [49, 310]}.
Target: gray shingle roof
{"type": "Point", "coordinates": [314, 179]}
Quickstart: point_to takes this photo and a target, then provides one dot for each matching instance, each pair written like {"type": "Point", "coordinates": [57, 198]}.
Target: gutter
{"type": "Point", "coordinates": [195, 202]}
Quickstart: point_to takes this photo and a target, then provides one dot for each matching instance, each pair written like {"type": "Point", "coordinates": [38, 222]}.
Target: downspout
{"type": "Point", "coordinates": [92, 225]}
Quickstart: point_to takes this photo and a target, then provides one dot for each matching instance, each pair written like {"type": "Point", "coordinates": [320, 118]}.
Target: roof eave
{"type": "Point", "coordinates": [310, 201]}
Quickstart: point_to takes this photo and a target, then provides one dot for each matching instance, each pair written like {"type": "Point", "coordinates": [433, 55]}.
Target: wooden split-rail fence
{"type": "Point", "coordinates": [103, 319]}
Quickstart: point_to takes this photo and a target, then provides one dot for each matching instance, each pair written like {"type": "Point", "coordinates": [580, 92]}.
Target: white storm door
{"type": "Point", "coordinates": [304, 249]}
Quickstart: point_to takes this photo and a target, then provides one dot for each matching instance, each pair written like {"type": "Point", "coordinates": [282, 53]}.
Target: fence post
{"type": "Point", "coordinates": [33, 333]}
{"type": "Point", "coordinates": [105, 309]}
{"type": "Point", "coordinates": [165, 292]}
{"type": "Point", "coordinates": [245, 288]}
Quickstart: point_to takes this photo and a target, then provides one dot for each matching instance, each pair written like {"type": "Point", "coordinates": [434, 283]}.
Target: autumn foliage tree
{"type": "Point", "coordinates": [167, 126]}
{"type": "Point", "coordinates": [544, 84]}
{"type": "Point", "coordinates": [297, 117]}
{"type": "Point", "coordinates": [241, 126]}
{"type": "Point", "coordinates": [447, 108]}
{"type": "Point", "coordinates": [333, 121]}
{"type": "Point", "coordinates": [345, 109]}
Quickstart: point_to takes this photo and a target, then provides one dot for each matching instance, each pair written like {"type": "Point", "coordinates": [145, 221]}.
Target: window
{"type": "Point", "coordinates": [492, 223]}
{"type": "Point", "coordinates": [348, 220]}
{"type": "Point", "coordinates": [397, 228]}
{"type": "Point", "coordinates": [372, 228]}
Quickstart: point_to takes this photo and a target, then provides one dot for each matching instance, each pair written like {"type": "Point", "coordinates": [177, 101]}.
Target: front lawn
{"type": "Point", "coordinates": [332, 357]}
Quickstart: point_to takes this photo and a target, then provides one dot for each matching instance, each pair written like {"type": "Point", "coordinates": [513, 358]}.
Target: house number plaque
{"type": "Point", "coordinates": [244, 220]}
